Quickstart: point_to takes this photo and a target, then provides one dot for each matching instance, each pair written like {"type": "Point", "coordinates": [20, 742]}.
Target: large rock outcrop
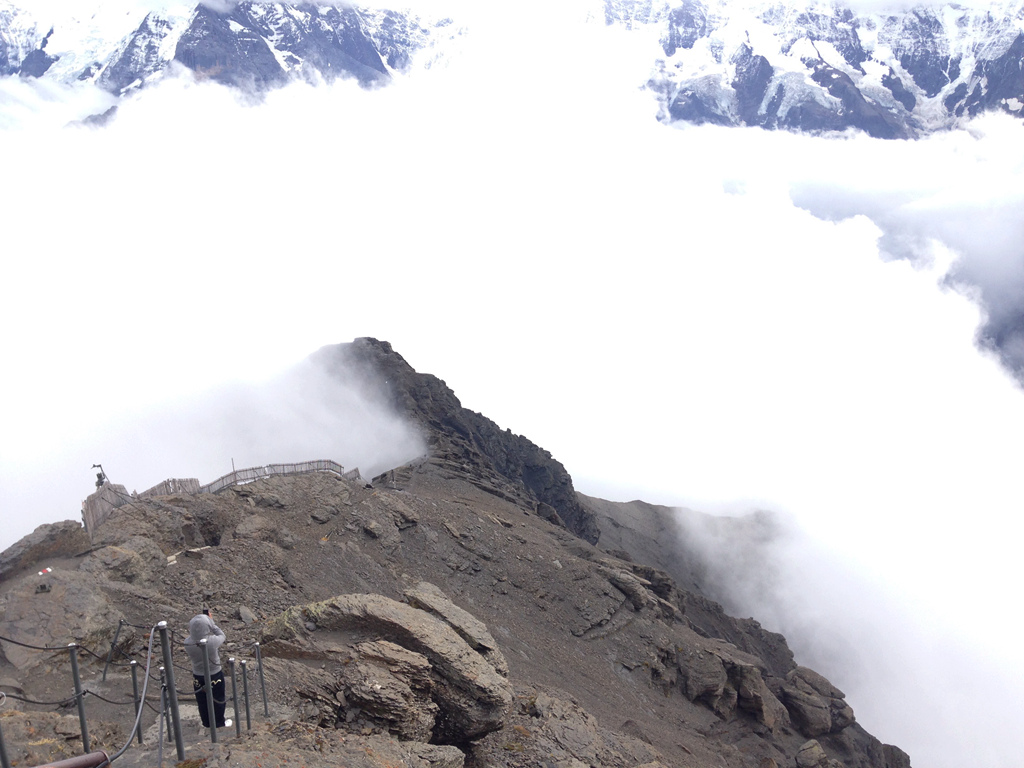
{"type": "Point", "coordinates": [423, 656]}
{"type": "Point", "coordinates": [817, 706]}
{"type": "Point", "coordinates": [53, 611]}
{"type": "Point", "coordinates": [430, 598]}
{"type": "Point", "coordinates": [49, 541]}
{"type": "Point", "coordinates": [464, 442]}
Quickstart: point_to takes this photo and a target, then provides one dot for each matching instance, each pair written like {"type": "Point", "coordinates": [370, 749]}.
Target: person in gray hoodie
{"type": "Point", "coordinates": [202, 626]}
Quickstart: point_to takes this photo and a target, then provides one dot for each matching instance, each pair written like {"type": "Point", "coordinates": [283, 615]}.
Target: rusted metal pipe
{"type": "Point", "coordinates": [92, 760]}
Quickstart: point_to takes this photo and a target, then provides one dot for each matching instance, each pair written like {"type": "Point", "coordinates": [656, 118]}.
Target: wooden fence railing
{"type": "Point", "coordinates": [172, 485]}
{"type": "Point", "coordinates": [255, 473]}
{"type": "Point", "coordinates": [101, 503]}
{"type": "Point", "coordinates": [97, 508]}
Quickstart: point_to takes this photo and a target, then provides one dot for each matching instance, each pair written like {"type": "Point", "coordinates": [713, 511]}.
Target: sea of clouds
{"type": "Point", "coordinates": [727, 319]}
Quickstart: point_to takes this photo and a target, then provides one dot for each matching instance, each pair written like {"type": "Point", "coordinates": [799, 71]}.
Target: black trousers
{"type": "Point", "coordinates": [219, 697]}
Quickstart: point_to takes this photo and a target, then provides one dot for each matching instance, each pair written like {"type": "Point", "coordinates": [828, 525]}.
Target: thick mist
{"type": "Point", "coordinates": [728, 319]}
{"type": "Point", "coordinates": [901, 665]}
{"type": "Point", "coordinates": [301, 414]}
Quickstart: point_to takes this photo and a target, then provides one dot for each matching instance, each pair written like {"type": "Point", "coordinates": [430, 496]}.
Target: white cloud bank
{"type": "Point", "coordinates": [649, 304]}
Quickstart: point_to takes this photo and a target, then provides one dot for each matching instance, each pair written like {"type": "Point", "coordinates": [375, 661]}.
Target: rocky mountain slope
{"type": "Point", "coordinates": [462, 610]}
{"type": "Point", "coordinates": [812, 67]}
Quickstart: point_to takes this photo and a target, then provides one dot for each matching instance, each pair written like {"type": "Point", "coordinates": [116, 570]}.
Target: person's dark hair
{"type": "Point", "coordinates": [206, 611]}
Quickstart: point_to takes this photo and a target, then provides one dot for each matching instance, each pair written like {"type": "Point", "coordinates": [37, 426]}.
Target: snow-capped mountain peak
{"type": "Point", "coordinates": [121, 44]}
{"type": "Point", "coordinates": [819, 67]}
{"type": "Point", "coordinates": [827, 67]}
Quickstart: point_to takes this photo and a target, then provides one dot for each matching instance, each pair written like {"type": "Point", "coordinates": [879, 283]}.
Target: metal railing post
{"type": "Point", "coordinates": [4, 760]}
{"type": "Point", "coordinates": [161, 719]}
{"type": "Point", "coordinates": [79, 696]}
{"type": "Point", "coordinates": [172, 694]}
{"type": "Point", "coordinates": [165, 715]}
{"type": "Point", "coordinates": [245, 694]}
{"type": "Point", "coordinates": [263, 683]}
{"type": "Point", "coordinates": [211, 713]}
{"type": "Point", "coordinates": [113, 644]}
{"type": "Point", "coordinates": [135, 695]}
{"type": "Point", "coordinates": [234, 696]}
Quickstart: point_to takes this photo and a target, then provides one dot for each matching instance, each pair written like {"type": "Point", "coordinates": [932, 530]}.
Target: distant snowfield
{"type": "Point", "coordinates": [724, 318]}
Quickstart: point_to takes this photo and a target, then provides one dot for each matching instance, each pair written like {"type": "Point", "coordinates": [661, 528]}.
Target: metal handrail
{"type": "Point", "coordinates": [91, 760]}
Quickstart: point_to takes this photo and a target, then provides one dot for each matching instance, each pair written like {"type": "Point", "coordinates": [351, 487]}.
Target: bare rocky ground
{"type": "Point", "coordinates": [443, 616]}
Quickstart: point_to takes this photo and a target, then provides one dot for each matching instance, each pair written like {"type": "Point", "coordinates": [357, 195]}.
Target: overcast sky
{"type": "Point", "coordinates": [707, 317]}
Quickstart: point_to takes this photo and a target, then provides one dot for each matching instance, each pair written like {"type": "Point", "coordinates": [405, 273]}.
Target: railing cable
{"type": "Point", "coordinates": [138, 716]}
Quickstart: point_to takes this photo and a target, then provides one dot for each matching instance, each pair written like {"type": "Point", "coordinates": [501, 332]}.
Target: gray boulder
{"type": "Point", "coordinates": [723, 678]}
{"type": "Point", "coordinates": [427, 597]}
{"type": "Point", "coordinates": [390, 686]}
{"type": "Point", "coordinates": [812, 755]}
{"type": "Point", "coordinates": [817, 707]}
{"type": "Point", "coordinates": [473, 699]}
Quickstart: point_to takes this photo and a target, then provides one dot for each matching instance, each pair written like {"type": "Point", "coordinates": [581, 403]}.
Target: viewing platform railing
{"type": "Point", "coordinates": [256, 473]}
{"type": "Point", "coordinates": [97, 508]}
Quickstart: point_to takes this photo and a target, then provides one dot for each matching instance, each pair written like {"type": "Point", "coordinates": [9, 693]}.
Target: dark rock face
{"type": "Point", "coordinates": [652, 534]}
{"type": "Point", "coordinates": [325, 39]}
{"type": "Point", "coordinates": [899, 91]}
{"type": "Point", "coordinates": [838, 29]}
{"type": "Point", "coordinates": [692, 106]}
{"type": "Point", "coordinates": [687, 23]}
{"type": "Point", "coordinates": [140, 58]}
{"type": "Point", "coordinates": [916, 39]}
{"type": "Point", "coordinates": [311, 41]}
{"type": "Point", "coordinates": [6, 67]}
{"type": "Point", "coordinates": [215, 48]}
{"type": "Point", "coordinates": [465, 442]}
{"type": "Point", "coordinates": [753, 74]}
{"type": "Point", "coordinates": [999, 80]}
{"type": "Point", "coordinates": [395, 42]}
{"type": "Point", "coordinates": [38, 61]}
{"type": "Point", "coordinates": [869, 117]}
{"type": "Point", "coordinates": [254, 45]}
{"type": "Point", "coordinates": [52, 540]}
{"type": "Point", "coordinates": [891, 76]}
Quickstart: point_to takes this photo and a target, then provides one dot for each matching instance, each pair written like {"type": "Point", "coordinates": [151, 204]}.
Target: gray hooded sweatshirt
{"type": "Point", "coordinates": [199, 627]}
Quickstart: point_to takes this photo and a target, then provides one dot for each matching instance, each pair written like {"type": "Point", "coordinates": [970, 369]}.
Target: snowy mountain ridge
{"type": "Point", "coordinates": [818, 67]}
{"type": "Point", "coordinates": [825, 67]}
{"type": "Point", "coordinates": [122, 45]}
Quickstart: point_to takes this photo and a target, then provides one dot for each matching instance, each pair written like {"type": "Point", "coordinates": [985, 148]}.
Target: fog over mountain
{"type": "Point", "coordinates": [714, 316]}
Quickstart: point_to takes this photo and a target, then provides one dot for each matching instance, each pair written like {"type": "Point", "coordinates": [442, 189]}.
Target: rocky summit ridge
{"type": "Point", "coordinates": [777, 64]}
{"type": "Point", "coordinates": [467, 609]}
